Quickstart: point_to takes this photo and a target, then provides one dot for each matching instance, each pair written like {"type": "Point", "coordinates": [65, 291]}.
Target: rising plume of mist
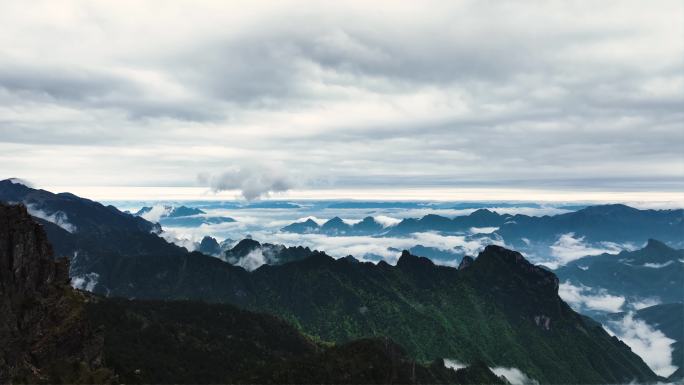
{"type": "Point", "coordinates": [252, 182]}
{"type": "Point", "coordinates": [652, 345]}
{"type": "Point", "coordinates": [583, 298]}
{"type": "Point", "coordinates": [156, 213]}
{"type": "Point", "coordinates": [570, 247]}
{"type": "Point", "coordinates": [58, 217]}
{"type": "Point", "coordinates": [514, 376]}
{"type": "Point", "coordinates": [21, 181]}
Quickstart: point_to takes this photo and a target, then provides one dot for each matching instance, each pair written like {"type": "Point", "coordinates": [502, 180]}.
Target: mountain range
{"type": "Point", "coordinates": [51, 333]}
{"type": "Point", "coordinates": [500, 309]}
{"type": "Point", "coordinates": [496, 309]}
{"type": "Point", "coordinates": [654, 272]}
{"type": "Point", "coordinates": [603, 223]}
{"type": "Point", "coordinates": [180, 216]}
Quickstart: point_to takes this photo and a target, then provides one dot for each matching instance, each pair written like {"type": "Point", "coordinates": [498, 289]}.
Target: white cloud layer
{"type": "Point", "coordinates": [638, 304]}
{"type": "Point", "coordinates": [157, 211]}
{"type": "Point", "coordinates": [649, 343]}
{"type": "Point", "coordinates": [513, 375]}
{"type": "Point", "coordinates": [658, 265]}
{"type": "Point", "coordinates": [583, 297]}
{"type": "Point", "coordinates": [85, 282]}
{"type": "Point", "coordinates": [58, 217]}
{"type": "Point", "coordinates": [568, 248]}
{"type": "Point", "coordinates": [253, 260]}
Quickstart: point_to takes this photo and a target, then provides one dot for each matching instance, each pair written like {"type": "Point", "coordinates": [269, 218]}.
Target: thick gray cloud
{"type": "Point", "coordinates": [562, 95]}
{"type": "Point", "coordinates": [253, 181]}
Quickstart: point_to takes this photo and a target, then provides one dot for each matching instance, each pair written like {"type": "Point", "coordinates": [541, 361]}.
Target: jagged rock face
{"type": "Point", "coordinates": [520, 287]}
{"type": "Point", "coordinates": [26, 266]}
{"type": "Point", "coordinates": [465, 262]}
{"type": "Point", "coordinates": [209, 246]}
{"type": "Point", "coordinates": [43, 334]}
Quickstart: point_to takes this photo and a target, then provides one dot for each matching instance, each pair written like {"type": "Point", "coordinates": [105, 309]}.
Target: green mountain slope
{"type": "Point", "coordinates": [500, 309]}
{"type": "Point", "coordinates": [51, 333]}
{"type": "Point", "coordinates": [194, 342]}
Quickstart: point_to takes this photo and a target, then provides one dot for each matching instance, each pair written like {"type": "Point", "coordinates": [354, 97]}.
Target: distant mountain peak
{"type": "Point", "coordinates": [656, 245]}
{"type": "Point", "coordinates": [614, 208]}
{"type": "Point", "coordinates": [503, 254]}
{"type": "Point", "coordinates": [210, 246]}
{"type": "Point", "coordinates": [245, 246]}
{"type": "Point", "coordinates": [18, 181]}
{"type": "Point", "coordinates": [410, 261]}
{"type": "Point", "coordinates": [498, 263]}
{"type": "Point", "coordinates": [465, 262]}
{"type": "Point", "coordinates": [483, 212]}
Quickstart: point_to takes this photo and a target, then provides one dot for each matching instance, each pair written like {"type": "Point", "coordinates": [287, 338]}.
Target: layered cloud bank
{"type": "Point", "coordinates": [360, 95]}
{"type": "Point", "coordinates": [646, 341]}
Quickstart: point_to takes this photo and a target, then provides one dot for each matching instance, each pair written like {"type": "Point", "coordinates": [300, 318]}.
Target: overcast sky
{"type": "Point", "coordinates": [567, 95]}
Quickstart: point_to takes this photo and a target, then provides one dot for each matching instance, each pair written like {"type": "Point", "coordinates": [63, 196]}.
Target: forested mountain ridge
{"type": "Point", "coordinates": [51, 333]}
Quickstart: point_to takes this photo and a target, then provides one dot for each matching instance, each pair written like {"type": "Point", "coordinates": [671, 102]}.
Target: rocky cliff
{"type": "Point", "coordinates": [44, 334]}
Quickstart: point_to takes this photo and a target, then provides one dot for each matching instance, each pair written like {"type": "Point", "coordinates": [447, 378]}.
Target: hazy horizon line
{"type": "Point", "coordinates": [165, 193]}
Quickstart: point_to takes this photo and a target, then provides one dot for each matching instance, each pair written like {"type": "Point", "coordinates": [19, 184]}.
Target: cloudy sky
{"type": "Point", "coordinates": [365, 96]}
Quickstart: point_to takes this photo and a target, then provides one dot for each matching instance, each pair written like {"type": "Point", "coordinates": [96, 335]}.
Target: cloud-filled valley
{"type": "Point", "coordinates": [448, 192]}
{"type": "Point", "coordinates": [264, 224]}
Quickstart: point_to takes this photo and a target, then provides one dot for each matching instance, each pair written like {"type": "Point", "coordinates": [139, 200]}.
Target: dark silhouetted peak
{"type": "Point", "coordinates": [245, 247]}
{"type": "Point", "coordinates": [42, 325]}
{"type": "Point", "coordinates": [484, 213]}
{"type": "Point", "coordinates": [306, 226]}
{"type": "Point", "coordinates": [368, 225]}
{"type": "Point", "coordinates": [316, 258]}
{"type": "Point", "coordinates": [501, 265]}
{"type": "Point", "coordinates": [16, 183]}
{"type": "Point", "coordinates": [210, 246]}
{"type": "Point", "coordinates": [502, 254]}
{"type": "Point", "coordinates": [335, 224]}
{"type": "Point", "coordinates": [350, 259]}
{"type": "Point", "coordinates": [368, 221]}
{"type": "Point", "coordinates": [465, 262]}
{"type": "Point", "coordinates": [334, 221]}
{"type": "Point", "coordinates": [13, 190]}
{"type": "Point", "coordinates": [653, 245]}
{"type": "Point", "coordinates": [432, 219]}
{"type": "Point", "coordinates": [384, 265]}
{"type": "Point", "coordinates": [408, 261]}
{"type": "Point", "coordinates": [612, 209]}
{"type": "Point", "coordinates": [143, 210]}
{"type": "Point", "coordinates": [26, 264]}
{"type": "Point", "coordinates": [184, 211]}
{"type": "Point", "coordinates": [655, 252]}
{"type": "Point", "coordinates": [172, 212]}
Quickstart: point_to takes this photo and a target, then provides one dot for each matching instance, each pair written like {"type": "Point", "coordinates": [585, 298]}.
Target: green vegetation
{"type": "Point", "coordinates": [500, 310]}
{"type": "Point", "coordinates": [194, 342]}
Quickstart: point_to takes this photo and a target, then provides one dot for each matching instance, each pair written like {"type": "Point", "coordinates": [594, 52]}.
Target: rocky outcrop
{"type": "Point", "coordinates": [270, 254]}
{"type": "Point", "coordinates": [465, 262]}
{"type": "Point", "coordinates": [44, 336]}
{"type": "Point", "coordinates": [209, 246]}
